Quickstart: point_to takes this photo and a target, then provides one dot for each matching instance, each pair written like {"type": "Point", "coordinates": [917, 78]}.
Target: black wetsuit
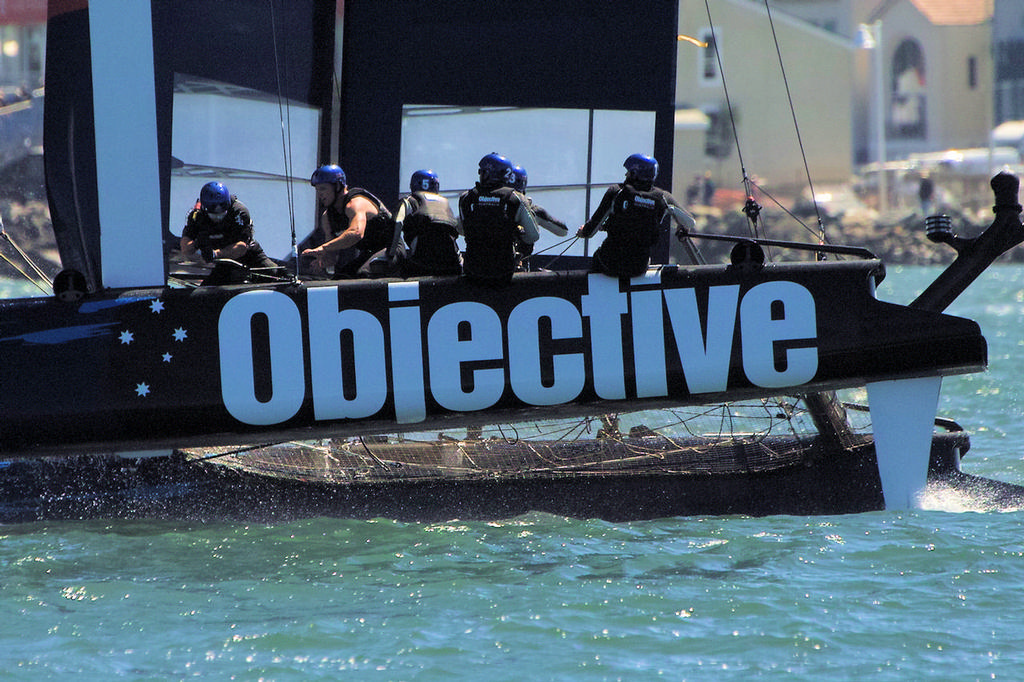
{"type": "Point", "coordinates": [633, 218]}
{"type": "Point", "coordinates": [494, 243]}
{"type": "Point", "coordinates": [235, 227]}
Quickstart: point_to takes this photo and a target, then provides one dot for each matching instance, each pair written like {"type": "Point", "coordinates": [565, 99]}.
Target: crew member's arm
{"type": "Point", "coordinates": [601, 214]}
{"type": "Point", "coordinates": [686, 223]}
{"type": "Point", "coordinates": [549, 222]}
{"type": "Point", "coordinates": [233, 251]}
{"type": "Point", "coordinates": [682, 218]}
{"type": "Point", "coordinates": [526, 220]}
{"type": "Point", "coordinates": [359, 211]}
{"type": "Point", "coordinates": [187, 246]}
{"type": "Point", "coordinates": [191, 247]}
{"type": "Point", "coordinates": [396, 239]}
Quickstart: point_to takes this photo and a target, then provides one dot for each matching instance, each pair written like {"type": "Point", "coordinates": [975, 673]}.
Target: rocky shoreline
{"type": "Point", "coordinates": [897, 239]}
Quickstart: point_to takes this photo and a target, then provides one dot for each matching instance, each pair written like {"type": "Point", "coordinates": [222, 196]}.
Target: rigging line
{"type": "Point", "coordinates": [376, 460]}
{"type": "Point", "coordinates": [24, 256]}
{"type": "Point", "coordinates": [284, 114]}
{"type": "Point", "coordinates": [778, 203]}
{"type": "Point", "coordinates": [237, 451]}
{"type": "Point", "coordinates": [796, 126]}
{"type": "Point", "coordinates": [23, 273]}
{"type": "Point", "coordinates": [728, 105]}
{"type": "Point", "coordinates": [555, 246]}
{"type": "Point", "coordinates": [570, 241]}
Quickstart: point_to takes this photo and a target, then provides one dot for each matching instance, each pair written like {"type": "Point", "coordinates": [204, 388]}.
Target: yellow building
{"type": "Point", "coordinates": [819, 68]}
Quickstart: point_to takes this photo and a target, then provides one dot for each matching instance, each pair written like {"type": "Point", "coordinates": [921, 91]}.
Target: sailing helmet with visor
{"type": "Point", "coordinates": [520, 182]}
{"type": "Point", "coordinates": [425, 181]}
{"type": "Point", "coordinates": [215, 199]}
{"type": "Point", "coordinates": [496, 171]}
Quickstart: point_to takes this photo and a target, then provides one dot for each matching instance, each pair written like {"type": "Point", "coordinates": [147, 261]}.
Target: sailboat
{"type": "Point", "coordinates": [271, 398]}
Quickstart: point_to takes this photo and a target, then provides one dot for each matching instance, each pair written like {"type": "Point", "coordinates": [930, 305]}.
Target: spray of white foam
{"type": "Point", "coordinates": [964, 496]}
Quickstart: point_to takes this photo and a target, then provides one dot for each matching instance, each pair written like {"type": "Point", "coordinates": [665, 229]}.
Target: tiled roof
{"type": "Point", "coordinates": [955, 12]}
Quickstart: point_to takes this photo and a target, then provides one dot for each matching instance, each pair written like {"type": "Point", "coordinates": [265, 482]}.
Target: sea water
{"type": "Point", "coordinates": [933, 594]}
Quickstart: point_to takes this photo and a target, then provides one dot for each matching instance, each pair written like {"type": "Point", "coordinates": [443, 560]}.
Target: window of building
{"type": "Point", "coordinates": [907, 113]}
{"type": "Point", "coordinates": [972, 72]}
{"type": "Point", "coordinates": [708, 59]}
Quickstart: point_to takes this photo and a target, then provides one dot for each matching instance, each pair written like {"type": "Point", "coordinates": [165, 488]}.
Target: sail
{"type": "Point", "coordinates": [278, 96]}
{"type": "Point", "coordinates": [282, 50]}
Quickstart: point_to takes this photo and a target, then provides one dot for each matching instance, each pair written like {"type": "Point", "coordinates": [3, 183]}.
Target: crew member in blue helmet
{"type": "Point", "coordinates": [425, 220]}
{"type": "Point", "coordinates": [497, 224]}
{"type": "Point", "coordinates": [218, 229]}
{"type": "Point", "coordinates": [352, 218]}
{"type": "Point", "coordinates": [634, 214]}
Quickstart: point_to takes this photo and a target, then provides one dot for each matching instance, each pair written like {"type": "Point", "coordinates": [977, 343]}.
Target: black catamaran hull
{"type": "Point", "coordinates": [163, 368]}
{"type": "Point", "coordinates": [135, 365]}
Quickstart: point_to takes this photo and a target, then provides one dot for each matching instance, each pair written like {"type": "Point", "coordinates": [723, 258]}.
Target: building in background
{"type": "Point", "coordinates": [1008, 51]}
{"type": "Point", "coordinates": [22, 60]}
{"type": "Point", "coordinates": [938, 80]}
{"type": "Point", "coordinates": [818, 67]}
{"type": "Point", "coordinates": [951, 71]}
{"type": "Point", "coordinates": [22, 45]}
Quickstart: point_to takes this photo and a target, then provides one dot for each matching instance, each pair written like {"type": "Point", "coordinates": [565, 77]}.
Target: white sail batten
{"type": "Point", "coordinates": [127, 169]}
{"type": "Point", "coordinates": [903, 416]}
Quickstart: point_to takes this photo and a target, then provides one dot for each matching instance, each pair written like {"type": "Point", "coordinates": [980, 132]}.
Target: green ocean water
{"type": "Point", "coordinates": [934, 594]}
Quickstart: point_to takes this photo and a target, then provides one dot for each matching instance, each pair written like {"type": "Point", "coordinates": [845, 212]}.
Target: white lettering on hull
{"type": "Point", "coordinates": [540, 353]}
{"type": "Point", "coordinates": [237, 377]}
{"type": "Point", "coordinates": [327, 356]}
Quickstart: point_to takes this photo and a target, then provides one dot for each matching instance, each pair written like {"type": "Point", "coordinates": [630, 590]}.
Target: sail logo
{"type": "Point", "coordinates": [466, 356]}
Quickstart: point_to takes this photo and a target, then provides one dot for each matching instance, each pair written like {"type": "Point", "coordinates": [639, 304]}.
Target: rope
{"type": "Point", "coordinates": [233, 452]}
{"type": "Point", "coordinates": [795, 218]}
{"type": "Point", "coordinates": [25, 257]}
{"type": "Point", "coordinates": [796, 127]}
{"type": "Point", "coordinates": [570, 241]}
{"type": "Point", "coordinates": [284, 114]}
{"type": "Point", "coordinates": [752, 210]}
{"type": "Point", "coordinates": [728, 105]}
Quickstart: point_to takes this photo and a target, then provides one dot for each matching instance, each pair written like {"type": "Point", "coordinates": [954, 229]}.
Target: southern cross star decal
{"type": "Point", "coordinates": [147, 329]}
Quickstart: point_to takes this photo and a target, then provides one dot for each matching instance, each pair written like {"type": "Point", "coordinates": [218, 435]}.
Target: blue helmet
{"type": "Point", "coordinates": [425, 181]}
{"type": "Point", "coordinates": [641, 167]}
{"type": "Point", "coordinates": [214, 196]}
{"type": "Point", "coordinates": [329, 174]}
{"type": "Point", "coordinates": [496, 171]}
{"type": "Point", "coordinates": [520, 183]}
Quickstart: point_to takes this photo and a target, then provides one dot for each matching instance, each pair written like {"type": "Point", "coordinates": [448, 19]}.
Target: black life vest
{"type": "Point", "coordinates": [491, 232]}
{"type": "Point", "coordinates": [429, 228]}
{"type": "Point", "coordinates": [379, 229]}
{"type": "Point", "coordinates": [632, 228]}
